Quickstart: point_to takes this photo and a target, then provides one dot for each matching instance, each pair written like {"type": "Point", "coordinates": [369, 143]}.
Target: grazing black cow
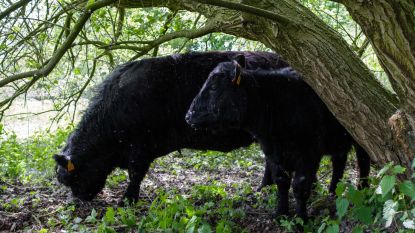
{"type": "Point", "coordinates": [138, 115]}
{"type": "Point", "coordinates": [293, 126]}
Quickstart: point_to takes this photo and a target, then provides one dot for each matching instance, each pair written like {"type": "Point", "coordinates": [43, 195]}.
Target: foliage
{"type": "Point", "coordinates": [29, 160]}
{"type": "Point", "coordinates": [388, 204]}
{"type": "Point", "coordinates": [205, 206]}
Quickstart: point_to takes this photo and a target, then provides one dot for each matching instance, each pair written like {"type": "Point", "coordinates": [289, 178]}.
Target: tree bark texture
{"type": "Point", "coordinates": [390, 27]}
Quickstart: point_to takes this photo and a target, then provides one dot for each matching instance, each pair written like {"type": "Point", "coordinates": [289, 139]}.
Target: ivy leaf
{"type": "Point", "coordinates": [341, 205]}
{"type": "Point", "coordinates": [389, 211]}
{"type": "Point", "coordinates": [408, 188]}
{"type": "Point", "coordinates": [386, 184]}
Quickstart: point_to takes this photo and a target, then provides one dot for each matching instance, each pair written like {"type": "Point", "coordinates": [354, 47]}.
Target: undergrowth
{"type": "Point", "coordinates": [208, 192]}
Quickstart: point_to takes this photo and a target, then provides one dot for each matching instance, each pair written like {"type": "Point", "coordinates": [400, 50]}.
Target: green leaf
{"type": "Point", "coordinates": [398, 169]}
{"type": "Point", "coordinates": [340, 189]}
{"type": "Point", "coordinates": [408, 188]}
{"type": "Point", "coordinates": [389, 211]}
{"type": "Point", "coordinates": [110, 216]}
{"type": "Point", "coordinates": [77, 71]}
{"type": "Point", "coordinates": [357, 229]}
{"type": "Point", "coordinates": [341, 205]}
{"type": "Point", "coordinates": [386, 184]}
{"type": "Point", "coordinates": [333, 228]}
{"type": "Point", "coordinates": [190, 227]}
{"type": "Point", "coordinates": [321, 228]}
{"type": "Point", "coordinates": [205, 229]}
{"type": "Point", "coordinates": [384, 169]}
{"type": "Point", "coordinates": [355, 196]}
{"type": "Point", "coordinates": [363, 214]}
{"type": "Point", "coordinates": [90, 2]}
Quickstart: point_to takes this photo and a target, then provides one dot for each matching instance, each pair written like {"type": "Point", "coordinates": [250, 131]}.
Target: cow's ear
{"type": "Point", "coordinates": [237, 78]}
{"type": "Point", "coordinates": [64, 162]}
{"type": "Point", "coordinates": [240, 59]}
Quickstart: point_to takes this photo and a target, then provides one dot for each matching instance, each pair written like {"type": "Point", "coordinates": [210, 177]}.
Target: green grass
{"type": "Point", "coordinates": [195, 191]}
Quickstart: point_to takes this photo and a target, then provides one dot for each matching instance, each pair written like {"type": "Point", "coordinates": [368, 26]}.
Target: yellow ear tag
{"type": "Point", "coordinates": [238, 81]}
{"type": "Point", "coordinates": [70, 166]}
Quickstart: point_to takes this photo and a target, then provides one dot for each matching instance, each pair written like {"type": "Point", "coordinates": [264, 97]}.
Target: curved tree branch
{"type": "Point", "coordinates": [45, 70]}
{"type": "Point", "coordinates": [13, 7]}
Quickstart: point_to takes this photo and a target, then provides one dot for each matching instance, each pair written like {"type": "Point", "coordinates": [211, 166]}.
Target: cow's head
{"type": "Point", "coordinates": [222, 101]}
{"type": "Point", "coordinates": [86, 179]}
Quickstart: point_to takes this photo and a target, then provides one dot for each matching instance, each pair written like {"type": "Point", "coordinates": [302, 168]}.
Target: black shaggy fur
{"type": "Point", "coordinates": [138, 115]}
{"type": "Point", "coordinates": [293, 126]}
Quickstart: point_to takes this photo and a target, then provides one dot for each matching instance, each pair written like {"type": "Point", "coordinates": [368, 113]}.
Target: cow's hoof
{"type": "Point", "coordinates": [128, 200]}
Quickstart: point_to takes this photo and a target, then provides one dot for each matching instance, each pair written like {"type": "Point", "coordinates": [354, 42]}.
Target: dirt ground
{"type": "Point", "coordinates": [36, 204]}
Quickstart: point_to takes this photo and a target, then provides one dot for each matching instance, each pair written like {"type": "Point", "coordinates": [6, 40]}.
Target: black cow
{"type": "Point", "coordinates": [138, 115]}
{"type": "Point", "coordinates": [293, 126]}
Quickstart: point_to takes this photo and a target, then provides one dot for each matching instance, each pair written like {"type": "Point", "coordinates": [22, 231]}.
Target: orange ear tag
{"type": "Point", "coordinates": [238, 81]}
{"type": "Point", "coordinates": [70, 166]}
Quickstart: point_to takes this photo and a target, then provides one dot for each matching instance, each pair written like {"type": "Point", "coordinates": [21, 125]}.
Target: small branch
{"type": "Point", "coordinates": [62, 50]}
{"type": "Point", "coordinates": [248, 9]}
{"type": "Point", "coordinates": [13, 7]}
{"type": "Point", "coordinates": [363, 48]}
{"type": "Point", "coordinates": [190, 34]}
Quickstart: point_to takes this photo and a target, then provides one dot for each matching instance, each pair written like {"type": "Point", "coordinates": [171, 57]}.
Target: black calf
{"type": "Point", "coordinates": [293, 126]}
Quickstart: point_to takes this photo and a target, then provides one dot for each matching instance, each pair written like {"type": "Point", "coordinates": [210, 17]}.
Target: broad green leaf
{"type": "Point", "coordinates": [363, 214]}
{"type": "Point", "coordinates": [389, 211]}
{"type": "Point", "coordinates": [384, 170]}
{"type": "Point", "coordinates": [205, 229]}
{"type": "Point", "coordinates": [408, 188]}
{"type": "Point", "coordinates": [333, 229]}
{"type": "Point", "coordinates": [398, 169]}
{"type": "Point", "coordinates": [386, 184]}
{"type": "Point", "coordinates": [341, 205]}
{"type": "Point", "coordinates": [355, 196]}
{"type": "Point", "coordinates": [340, 189]}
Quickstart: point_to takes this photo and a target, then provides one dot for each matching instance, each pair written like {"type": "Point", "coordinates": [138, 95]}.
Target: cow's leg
{"type": "Point", "coordinates": [274, 155]}
{"type": "Point", "coordinates": [283, 180]}
{"type": "Point", "coordinates": [305, 172]}
{"type": "Point", "coordinates": [339, 164]}
{"type": "Point", "coordinates": [363, 160]}
{"type": "Point", "coordinates": [267, 178]}
{"type": "Point", "coordinates": [138, 165]}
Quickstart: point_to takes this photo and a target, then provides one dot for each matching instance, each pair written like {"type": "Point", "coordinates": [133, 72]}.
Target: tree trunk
{"type": "Point", "coordinates": [390, 27]}
{"type": "Point", "coordinates": [331, 68]}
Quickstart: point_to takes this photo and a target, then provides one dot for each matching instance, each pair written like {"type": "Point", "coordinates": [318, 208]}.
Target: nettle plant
{"type": "Point", "coordinates": [388, 205]}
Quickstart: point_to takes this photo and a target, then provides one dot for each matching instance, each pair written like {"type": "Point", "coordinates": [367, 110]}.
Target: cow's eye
{"type": "Point", "coordinates": [213, 86]}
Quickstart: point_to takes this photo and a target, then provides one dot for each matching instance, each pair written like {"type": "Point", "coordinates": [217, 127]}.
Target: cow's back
{"type": "Point", "coordinates": [144, 102]}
